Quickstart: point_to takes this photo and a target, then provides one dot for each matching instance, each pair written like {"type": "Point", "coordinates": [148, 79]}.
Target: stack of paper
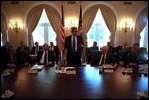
{"type": "Point", "coordinates": [32, 71]}
{"type": "Point", "coordinates": [66, 70]}
{"type": "Point", "coordinates": [61, 70]}
{"type": "Point", "coordinates": [108, 66]}
{"type": "Point", "coordinates": [70, 72]}
{"type": "Point", "coordinates": [143, 68]}
{"type": "Point", "coordinates": [108, 70]}
{"type": "Point", "coordinates": [127, 70]}
{"type": "Point", "coordinates": [37, 67]}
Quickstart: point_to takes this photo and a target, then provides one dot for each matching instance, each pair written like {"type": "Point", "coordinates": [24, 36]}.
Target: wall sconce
{"type": "Point", "coordinates": [71, 22]}
{"type": "Point", "coordinates": [14, 25]}
{"type": "Point", "coordinates": [126, 27]}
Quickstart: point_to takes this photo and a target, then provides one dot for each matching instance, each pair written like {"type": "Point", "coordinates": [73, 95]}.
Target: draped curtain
{"type": "Point", "coordinates": [110, 20]}
{"type": "Point", "coordinates": [141, 21]}
{"type": "Point", "coordinates": [88, 17]}
{"type": "Point", "coordinates": [108, 15]}
{"type": "Point", "coordinates": [3, 28]}
{"type": "Point", "coordinates": [34, 16]}
{"type": "Point", "coordinates": [54, 18]}
{"type": "Point", "coordinates": [32, 21]}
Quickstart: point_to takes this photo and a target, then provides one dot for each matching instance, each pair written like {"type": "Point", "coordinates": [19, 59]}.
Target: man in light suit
{"type": "Point", "coordinates": [106, 56]}
{"type": "Point", "coordinates": [73, 45]}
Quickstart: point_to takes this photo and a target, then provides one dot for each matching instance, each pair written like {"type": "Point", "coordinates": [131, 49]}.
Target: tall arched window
{"type": "Point", "coordinates": [1, 40]}
{"type": "Point", "coordinates": [144, 37]}
{"type": "Point", "coordinates": [44, 32]}
{"type": "Point", "coordinates": [98, 31]}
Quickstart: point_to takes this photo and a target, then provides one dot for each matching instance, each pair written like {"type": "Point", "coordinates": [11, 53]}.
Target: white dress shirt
{"type": "Point", "coordinates": [43, 56]}
{"type": "Point", "coordinates": [76, 48]}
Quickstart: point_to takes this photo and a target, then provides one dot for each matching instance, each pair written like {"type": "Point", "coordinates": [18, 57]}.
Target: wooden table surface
{"type": "Point", "coordinates": [88, 83]}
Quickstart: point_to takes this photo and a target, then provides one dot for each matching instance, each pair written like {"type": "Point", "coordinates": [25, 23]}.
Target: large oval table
{"type": "Point", "coordinates": [88, 83]}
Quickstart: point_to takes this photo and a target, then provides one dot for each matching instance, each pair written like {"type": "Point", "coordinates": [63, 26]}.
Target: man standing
{"type": "Point", "coordinates": [73, 45]}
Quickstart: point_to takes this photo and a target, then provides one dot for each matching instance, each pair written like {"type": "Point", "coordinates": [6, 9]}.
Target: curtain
{"type": "Point", "coordinates": [88, 18]}
{"type": "Point", "coordinates": [87, 21]}
{"type": "Point", "coordinates": [141, 21]}
{"type": "Point", "coordinates": [34, 16]}
{"type": "Point", "coordinates": [32, 21]}
{"type": "Point", "coordinates": [110, 20]}
{"type": "Point", "coordinates": [3, 28]}
{"type": "Point", "coordinates": [108, 15]}
{"type": "Point", "coordinates": [54, 19]}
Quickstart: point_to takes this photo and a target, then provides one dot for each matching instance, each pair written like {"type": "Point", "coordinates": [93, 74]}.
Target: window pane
{"type": "Point", "coordinates": [144, 37]}
{"type": "Point", "coordinates": [98, 31]}
{"type": "Point", "coordinates": [1, 40]}
{"type": "Point", "coordinates": [44, 32]}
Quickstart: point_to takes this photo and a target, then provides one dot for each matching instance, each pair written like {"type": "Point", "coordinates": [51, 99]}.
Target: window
{"type": "Point", "coordinates": [1, 40]}
{"type": "Point", "coordinates": [144, 37]}
{"type": "Point", "coordinates": [44, 32]}
{"type": "Point", "coordinates": [98, 31]}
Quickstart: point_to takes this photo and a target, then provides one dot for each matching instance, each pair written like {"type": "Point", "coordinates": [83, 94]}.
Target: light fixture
{"type": "Point", "coordinates": [14, 26]}
{"type": "Point", "coordinates": [126, 27]}
{"type": "Point", "coordinates": [71, 22]}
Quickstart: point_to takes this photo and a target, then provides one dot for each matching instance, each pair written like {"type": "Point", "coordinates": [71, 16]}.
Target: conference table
{"type": "Point", "coordinates": [87, 83]}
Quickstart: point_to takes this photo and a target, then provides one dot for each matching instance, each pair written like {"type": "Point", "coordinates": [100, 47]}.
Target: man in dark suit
{"type": "Point", "coordinates": [4, 53]}
{"type": "Point", "coordinates": [33, 52]}
{"type": "Point", "coordinates": [73, 44]}
{"type": "Point", "coordinates": [54, 53]}
{"type": "Point", "coordinates": [23, 54]}
{"type": "Point", "coordinates": [36, 48]}
{"type": "Point", "coordinates": [93, 54]}
{"type": "Point", "coordinates": [12, 61]}
{"type": "Point", "coordinates": [43, 56]}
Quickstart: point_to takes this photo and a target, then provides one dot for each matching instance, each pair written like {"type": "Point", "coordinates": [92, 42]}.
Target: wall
{"type": "Point", "coordinates": [21, 10]}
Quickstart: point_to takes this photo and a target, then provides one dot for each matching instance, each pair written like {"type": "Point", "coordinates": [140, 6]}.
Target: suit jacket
{"type": "Point", "coordinates": [56, 50]}
{"type": "Point", "coordinates": [68, 44]}
{"type": "Point", "coordinates": [12, 61]}
{"type": "Point", "coordinates": [39, 56]}
{"type": "Point", "coordinates": [34, 48]}
{"type": "Point", "coordinates": [73, 58]}
{"type": "Point", "coordinates": [22, 54]}
{"type": "Point", "coordinates": [109, 58]}
{"type": "Point", "coordinates": [54, 54]}
{"type": "Point", "coordinates": [3, 56]}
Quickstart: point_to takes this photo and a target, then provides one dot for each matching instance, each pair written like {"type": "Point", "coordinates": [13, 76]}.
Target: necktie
{"type": "Point", "coordinates": [11, 58]}
{"type": "Point", "coordinates": [45, 58]}
{"type": "Point", "coordinates": [101, 59]}
{"type": "Point", "coordinates": [104, 58]}
{"type": "Point", "coordinates": [73, 43]}
{"type": "Point", "coordinates": [36, 51]}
